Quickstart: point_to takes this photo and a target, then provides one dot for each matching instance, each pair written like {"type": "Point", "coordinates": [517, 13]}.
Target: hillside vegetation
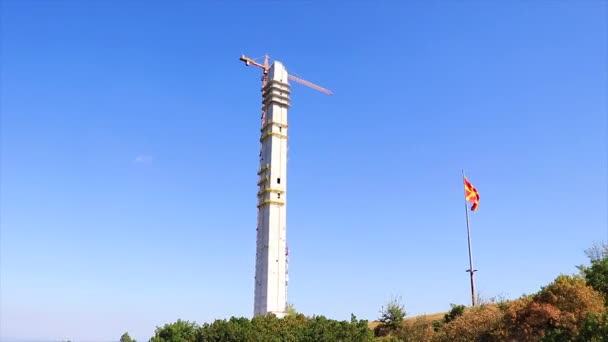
{"type": "Point", "coordinates": [571, 308]}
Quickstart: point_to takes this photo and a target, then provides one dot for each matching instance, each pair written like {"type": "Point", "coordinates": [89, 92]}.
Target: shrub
{"type": "Point", "coordinates": [457, 310]}
{"type": "Point", "coordinates": [555, 313]}
{"type": "Point", "coordinates": [483, 323]}
{"type": "Point", "coordinates": [420, 329]}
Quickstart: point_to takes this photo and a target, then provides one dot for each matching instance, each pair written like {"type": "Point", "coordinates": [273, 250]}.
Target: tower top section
{"type": "Point", "coordinates": [277, 72]}
{"type": "Point", "coordinates": [283, 76]}
{"type": "Point", "coordinates": [277, 89]}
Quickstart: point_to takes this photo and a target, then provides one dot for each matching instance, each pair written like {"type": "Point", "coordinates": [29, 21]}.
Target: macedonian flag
{"type": "Point", "coordinates": [471, 194]}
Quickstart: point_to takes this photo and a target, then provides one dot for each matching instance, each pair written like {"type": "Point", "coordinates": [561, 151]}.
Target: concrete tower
{"type": "Point", "coordinates": [271, 244]}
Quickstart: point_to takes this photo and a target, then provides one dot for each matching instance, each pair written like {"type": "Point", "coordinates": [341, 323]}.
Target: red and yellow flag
{"type": "Point", "coordinates": [471, 194]}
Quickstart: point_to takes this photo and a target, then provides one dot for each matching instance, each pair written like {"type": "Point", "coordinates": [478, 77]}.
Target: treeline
{"type": "Point", "coordinates": [267, 329]}
{"type": "Point", "coordinates": [571, 308]}
{"type": "Point", "coordinates": [568, 309]}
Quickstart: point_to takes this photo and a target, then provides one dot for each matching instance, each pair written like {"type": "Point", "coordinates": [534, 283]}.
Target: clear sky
{"type": "Point", "coordinates": [130, 149]}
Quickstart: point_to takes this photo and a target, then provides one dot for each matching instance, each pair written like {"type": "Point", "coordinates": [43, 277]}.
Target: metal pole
{"type": "Point", "coordinates": [470, 270]}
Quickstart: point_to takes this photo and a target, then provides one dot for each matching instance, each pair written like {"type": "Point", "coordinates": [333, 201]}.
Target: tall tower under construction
{"type": "Point", "coordinates": [271, 247]}
{"type": "Point", "coordinates": [271, 256]}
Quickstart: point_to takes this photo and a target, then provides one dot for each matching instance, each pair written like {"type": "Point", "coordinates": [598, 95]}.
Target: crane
{"type": "Point", "coordinates": [265, 66]}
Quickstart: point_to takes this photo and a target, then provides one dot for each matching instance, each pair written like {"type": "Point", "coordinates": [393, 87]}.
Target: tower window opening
{"type": "Point", "coordinates": [279, 195]}
{"type": "Point", "coordinates": [278, 180]}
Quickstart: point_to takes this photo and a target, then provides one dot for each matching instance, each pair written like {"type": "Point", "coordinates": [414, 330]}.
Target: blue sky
{"type": "Point", "coordinates": [130, 149]}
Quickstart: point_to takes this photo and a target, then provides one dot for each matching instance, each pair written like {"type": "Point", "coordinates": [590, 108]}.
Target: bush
{"type": "Point", "coordinates": [420, 329]}
{"type": "Point", "coordinates": [555, 313]}
{"type": "Point", "coordinates": [457, 310]}
{"type": "Point", "coordinates": [482, 323]}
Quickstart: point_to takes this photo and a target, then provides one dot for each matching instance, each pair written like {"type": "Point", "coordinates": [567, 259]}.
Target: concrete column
{"type": "Point", "coordinates": [271, 259]}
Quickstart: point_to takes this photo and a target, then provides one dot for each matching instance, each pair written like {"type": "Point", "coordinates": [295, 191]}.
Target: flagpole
{"type": "Point", "coordinates": [470, 270]}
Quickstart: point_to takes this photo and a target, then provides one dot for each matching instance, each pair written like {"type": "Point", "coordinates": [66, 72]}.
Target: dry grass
{"type": "Point", "coordinates": [427, 317]}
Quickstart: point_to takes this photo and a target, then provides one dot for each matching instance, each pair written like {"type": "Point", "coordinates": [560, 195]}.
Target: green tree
{"type": "Point", "coordinates": [596, 275]}
{"type": "Point", "coordinates": [391, 317]}
{"type": "Point", "coordinates": [180, 331]}
{"type": "Point", "coordinates": [126, 338]}
{"type": "Point", "coordinates": [594, 329]}
{"type": "Point", "coordinates": [292, 328]}
{"type": "Point", "coordinates": [291, 310]}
